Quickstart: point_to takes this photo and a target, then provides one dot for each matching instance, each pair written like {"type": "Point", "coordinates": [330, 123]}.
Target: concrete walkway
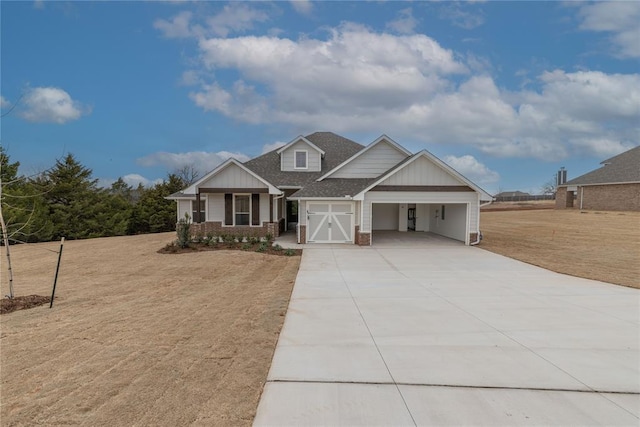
{"type": "Point", "coordinates": [445, 334]}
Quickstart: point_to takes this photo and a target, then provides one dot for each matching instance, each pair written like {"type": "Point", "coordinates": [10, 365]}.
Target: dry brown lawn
{"type": "Point", "coordinates": [597, 245]}
{"type": "Point", "coordinates": [141, 338]}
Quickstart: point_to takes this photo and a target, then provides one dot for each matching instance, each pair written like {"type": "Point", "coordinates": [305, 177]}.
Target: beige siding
{"type": "Point", "coordinates": [422, 172]}
{"type": "Point", "coordinates": [233, 177]}
{"type": "Point", "coordinates": [372, 163]}
{"type": "Point", "coordinates": [313, 158]}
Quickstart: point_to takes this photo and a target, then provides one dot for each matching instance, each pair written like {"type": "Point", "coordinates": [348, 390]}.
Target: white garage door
{"type": "Point", "coordinates": [330, 222]}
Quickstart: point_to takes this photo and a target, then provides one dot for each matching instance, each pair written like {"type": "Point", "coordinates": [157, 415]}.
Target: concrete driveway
{"type": "Point", "coordinates": [445, 334]}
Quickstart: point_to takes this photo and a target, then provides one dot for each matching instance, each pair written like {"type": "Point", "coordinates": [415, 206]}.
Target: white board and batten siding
{"type": "Point", "coordinates": [184, 207]}
{"type": "Point", "coordinates": [233, 177]}
{"type": "Point", "coordinates": [372, 163]}
{"type": "Point", "coordinates": [314, 158]}
{"type": "Point", "coordinates": [422, 172]}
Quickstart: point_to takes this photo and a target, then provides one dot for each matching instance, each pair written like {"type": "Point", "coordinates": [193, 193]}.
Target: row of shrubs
{"type": "Point", "coordinates": [245, 241]}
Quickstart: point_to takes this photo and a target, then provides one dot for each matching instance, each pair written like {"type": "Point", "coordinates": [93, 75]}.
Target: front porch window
{"type": "Point", "coordinates": [198, 217]}
{"type": "Point", "coordinates": [242, 209]}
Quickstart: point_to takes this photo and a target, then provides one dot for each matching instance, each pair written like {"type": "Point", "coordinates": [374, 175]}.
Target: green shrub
{"type": "Point", "coordinates": [269, 237]}
{"type": "Point", "coordinates": [289, 252]}
{"type": "Point", "coordinates": [183, 230]}
{"type": "Point", "coordinates": [246, 246]}
{"type": "Point", "coordinates": [277, 247]}
{"type": "Point", "coordinates": [262, 247]}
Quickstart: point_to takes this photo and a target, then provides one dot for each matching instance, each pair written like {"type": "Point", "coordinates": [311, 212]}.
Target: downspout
{"type": "Point", "coordinates": [276, 198]}
{"type": "Point", "coordinates": [479, 238]}
{"type": "Point", "coordinates": [581, 196]}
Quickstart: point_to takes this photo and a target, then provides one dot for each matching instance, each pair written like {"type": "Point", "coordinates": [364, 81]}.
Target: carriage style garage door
{"type": "Point", "coordinates": [330, 222]}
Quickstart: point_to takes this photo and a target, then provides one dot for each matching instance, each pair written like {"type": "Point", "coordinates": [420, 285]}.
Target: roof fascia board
{"type": "Point", "coordinates": [298, 139]}
{"type": "Point", "coordinates": [382, 137]}
{"type": "Point", "coordinates": [185, 197]}
{"type": "Point", "coordinates": [598, 183]}
{"type": "Point", "coordinates": [347, 198]}
{"type": "Point", "coordinates": [437, 161]}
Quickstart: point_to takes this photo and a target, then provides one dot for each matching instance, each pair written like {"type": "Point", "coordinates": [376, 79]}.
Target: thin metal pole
{"type": "Point", "coordinates": [55, 280]}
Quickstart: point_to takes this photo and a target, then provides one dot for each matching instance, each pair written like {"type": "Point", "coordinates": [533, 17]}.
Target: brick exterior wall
{"type": "Point", "coordinates": [615, 197]}
{"type": "Point", "coordinates": [302, 234]}
{"type": "Point", "coordinates": [364, 239]}
{"type": "Point", "coordinates": [356, 237]}
{"type": "Point", "coordinates": [473, 237]}
{"type": "Point", "coordinates": [216, 228]}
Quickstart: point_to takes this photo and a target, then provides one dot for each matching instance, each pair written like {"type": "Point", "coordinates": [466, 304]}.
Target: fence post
{"type": "Point", "coordinates": [55, 280]}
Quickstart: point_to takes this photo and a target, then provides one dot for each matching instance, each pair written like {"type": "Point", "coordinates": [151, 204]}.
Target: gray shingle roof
{"type": "Point", "coordinates": [624, 167]}
{"type": "Point", "coordinates": [337, 149]}
{"type": "Point", "coordinates": [334, 187]}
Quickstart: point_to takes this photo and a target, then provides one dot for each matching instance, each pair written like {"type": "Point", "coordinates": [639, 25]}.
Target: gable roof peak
{"type": "Point", "coordinates": [378, 140]}
{"type": "Point", "coordinates": [298, 139]}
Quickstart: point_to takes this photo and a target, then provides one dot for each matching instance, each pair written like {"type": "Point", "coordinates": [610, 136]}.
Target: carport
{"type": "Point", "coordinates": [446, 219]}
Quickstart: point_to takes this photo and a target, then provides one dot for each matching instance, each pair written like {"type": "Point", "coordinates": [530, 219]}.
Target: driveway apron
{"type": "Point", "coordinates": [445, 334]}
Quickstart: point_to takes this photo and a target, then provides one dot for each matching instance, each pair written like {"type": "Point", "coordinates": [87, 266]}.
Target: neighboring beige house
{"type": "Point", "coordinates": [613, 187]}
{"type": "Point", "coordinates": [333, 190]}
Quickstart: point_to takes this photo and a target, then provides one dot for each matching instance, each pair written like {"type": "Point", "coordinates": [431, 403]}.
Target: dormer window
{"type": "Point", "coordinates": [301, 157]}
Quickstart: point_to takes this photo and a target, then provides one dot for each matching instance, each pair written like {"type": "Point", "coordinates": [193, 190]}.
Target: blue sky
{"type": "Point", "coordinates": [505, 92]}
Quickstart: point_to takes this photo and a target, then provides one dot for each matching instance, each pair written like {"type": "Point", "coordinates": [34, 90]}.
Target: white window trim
{"type": "Point", "coordinates": [306, 159]}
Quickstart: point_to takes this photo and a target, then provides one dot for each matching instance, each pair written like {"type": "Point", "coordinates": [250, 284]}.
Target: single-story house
{"type": "Point", "coordinates": [613, 187]}
{"type": "Point", "coordinates": [330, 189]}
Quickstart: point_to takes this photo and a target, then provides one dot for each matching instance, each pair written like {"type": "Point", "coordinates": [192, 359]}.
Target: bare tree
{"type": "Point", "coordinates": [549, 187]}
{"type": "Point", "coordinates": [187, 173]}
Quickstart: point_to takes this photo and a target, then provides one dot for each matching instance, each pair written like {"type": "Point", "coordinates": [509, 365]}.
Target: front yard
{"type": "Point", "coordinates": [139, 337]}
{"type": "Point", "coordinates": [597, 245]}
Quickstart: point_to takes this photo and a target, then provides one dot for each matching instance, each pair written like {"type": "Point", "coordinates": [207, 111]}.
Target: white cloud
{"type": "Point", "coordinates": [472, 169]}
{"type": "Point", "coordinates": [202, 161]}
{"type": "Point", "coordinates": [619, 18]}
{"type": "Point", "coordinates": [235, 17]}
{"type": "Point", "coordinates": [190, 78]}
{"type": "Point", "coordinates": [408, 86]}
{"type": "Point", "coordinates": [303, 7]}
{"type": "Point", "coordinates": [51, 104]}
{"type": "Point", "coordinates": [178, 27]}
{"type": "Point", "coordinates": [405, 23]}
{"type": "Point", "coordinates": [270, 147]}
{"type": "Point", "coordinates": [464, 18]}
{"type": "Point", "coordinates": [134, 179]}
{"type": "Point", "coordinates": [354, 70]}
{"type": "Point", "coordinates": [4, 103]}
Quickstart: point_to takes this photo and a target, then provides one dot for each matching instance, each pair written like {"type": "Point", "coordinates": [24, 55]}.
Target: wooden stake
{"type": "Point", "coordinates": [55, 280]}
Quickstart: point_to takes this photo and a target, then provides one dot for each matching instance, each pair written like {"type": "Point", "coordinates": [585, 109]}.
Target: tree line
{"type": "Point", "coordinates": [66, 201]}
